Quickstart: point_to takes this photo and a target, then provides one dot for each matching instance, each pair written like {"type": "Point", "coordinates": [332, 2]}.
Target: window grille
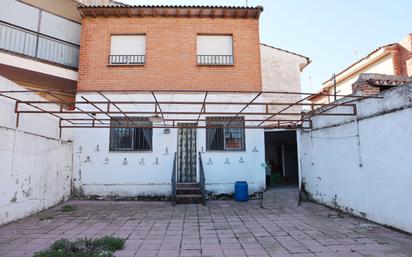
{"type": "Point", "coordinates": [225, 134]}
{"type": "Point", "coordinates": [131, 134]}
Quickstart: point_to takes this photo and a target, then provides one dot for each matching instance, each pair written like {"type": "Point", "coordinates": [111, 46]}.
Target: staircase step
{"type": "Point", "coordinates": [187, 185]}
{"type": "Point", "coordinates": [188, 191]}
{"type": "Point", "coordinates": [188, 199]}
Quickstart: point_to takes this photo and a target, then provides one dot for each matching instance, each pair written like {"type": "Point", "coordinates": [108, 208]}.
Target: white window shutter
{"type": "Point", "coordinates": [214, 45]}
{"type": "Point", "coordinates": [128, 45]}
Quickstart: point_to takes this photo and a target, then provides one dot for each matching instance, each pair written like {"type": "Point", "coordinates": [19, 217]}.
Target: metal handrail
{"type": "Point", "coordinates": [26, 42]}
{"type": "Point", "coordinates": [173, 180]}
{"type": "Point", "coordinates": [215, 59]}
{"type": "Point", "coordinates": [202, 180]}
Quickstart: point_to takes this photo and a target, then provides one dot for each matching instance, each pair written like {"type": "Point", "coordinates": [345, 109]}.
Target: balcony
{"type": "Point", "coordinates": [127, 59]}
{"type": "Point", "coordinates": [215, 60]}
{"type": "Point", "coordinates": [35, 45]}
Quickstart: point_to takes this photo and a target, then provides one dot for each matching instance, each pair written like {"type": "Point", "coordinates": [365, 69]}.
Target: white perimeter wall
{"type": "Point", "coordinates": [143, 176]}
{"type": "Point", "coordinates": [36, 167]}
{"type": "Point", "coordinates": [363, 167]}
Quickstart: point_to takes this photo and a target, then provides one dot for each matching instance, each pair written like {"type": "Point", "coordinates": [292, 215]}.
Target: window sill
{"type": "Point", "coordinates": [125, 64]}
{"type": "Point", "coordinates": [225, 151]}
{"type": "Point", "coordinates": [216, 65]}
{"type": "Point", "coordinates": [130, 151]}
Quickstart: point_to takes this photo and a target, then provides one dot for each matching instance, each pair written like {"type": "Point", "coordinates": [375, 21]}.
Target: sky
{"type": "Point", "coordinates": [332, 33]}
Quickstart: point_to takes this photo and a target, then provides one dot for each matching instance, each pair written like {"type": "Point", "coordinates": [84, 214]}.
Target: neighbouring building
{"type": "Point", "coordinates": [391, 59]}
{"type": "Point", "coordinates": [39, 44]}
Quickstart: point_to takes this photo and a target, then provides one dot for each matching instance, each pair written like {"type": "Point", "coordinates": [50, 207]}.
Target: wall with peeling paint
{"type": "Point", "coordinates": [36, 166]}
{"type": "Point", "coordinates": [363, 164]}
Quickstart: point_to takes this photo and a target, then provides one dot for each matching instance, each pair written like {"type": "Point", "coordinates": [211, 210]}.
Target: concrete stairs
{"type": "Point", "coordinates": [188, 193]}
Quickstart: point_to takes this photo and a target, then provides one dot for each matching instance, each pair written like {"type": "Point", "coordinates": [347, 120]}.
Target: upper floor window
{"type": "Point", "coordinates": [127, 49]}
{"type": "Point", "coordinates": [130, 134]}
{"type": "Point", "coordinates": [225, 133]}
{"type": "Point", "coordinates": [214, 50]}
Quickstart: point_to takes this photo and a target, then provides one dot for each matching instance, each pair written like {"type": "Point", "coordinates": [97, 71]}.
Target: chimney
{"type": "Point", "coordinates": [372, 84]}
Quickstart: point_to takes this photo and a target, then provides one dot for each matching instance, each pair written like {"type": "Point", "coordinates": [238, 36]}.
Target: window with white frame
{"type": "Point", "coordinates": [225, 133]}
{"type": "Point", "coordinates": [214, 50]}
{"type": "Point", "coordinates": [127, 49]}
{"type": "Point", "coordinates": [130, 134]}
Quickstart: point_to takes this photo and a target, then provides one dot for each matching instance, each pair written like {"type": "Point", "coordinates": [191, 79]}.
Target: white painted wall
{"type": "Point", "coordinates": [281, 72]}
{"type": "Point", "coordinates": [36, 166]}
{"type": "Point", "coordinates": [363, 167]}
{"type": "Point", "coordinates": [224, 168]}
{"type": "Point", "coordinates": [142, 176]}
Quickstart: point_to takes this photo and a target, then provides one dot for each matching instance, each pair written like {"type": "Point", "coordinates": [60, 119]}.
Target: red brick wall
{"type": "Point", "coordinates": [170, 54]}
{"type": "Point", "coordinates": [405, 56]}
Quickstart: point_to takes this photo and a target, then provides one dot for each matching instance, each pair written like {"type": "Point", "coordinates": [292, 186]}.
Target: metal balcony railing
{"type": "Point", "coordinates": [215, 59]}
{"type": "Point", "coordinates": [127, 59]}
{"type": "Point", "coordinates": [36, 45]}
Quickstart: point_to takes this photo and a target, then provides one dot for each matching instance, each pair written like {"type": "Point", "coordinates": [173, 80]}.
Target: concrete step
{"type": "Point", "coordinates": [188, 191]}
{"type": "Point", "coordinates": [187, 185]}
{"type": "Point", "coordinates": [188, 199]}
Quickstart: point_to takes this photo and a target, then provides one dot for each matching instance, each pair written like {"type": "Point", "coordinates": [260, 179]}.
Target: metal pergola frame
{"type": "Point", "coordinates": [86, 113]}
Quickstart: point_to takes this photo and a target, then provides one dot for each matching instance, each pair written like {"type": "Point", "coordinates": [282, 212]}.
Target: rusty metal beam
{"type": "Point", "coordinates": [284, 109]}
{"type": "Point", "coordinates": [203, 108]}
{"type": "Point", "coordinates": [193, 103]}
{"type": "Point", "coordinates": [183, 91]}
{"type": "Point", "coordinates": [189, 113]}
{"type": "Point", "coordinates": [177, 126]}
{"type": "Point", "coordinates": [158, 105]}
{"type": "Point", "coordinates": [244, 108]}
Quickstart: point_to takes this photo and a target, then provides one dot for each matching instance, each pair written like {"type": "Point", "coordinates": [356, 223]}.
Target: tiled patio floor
{"type": "Point", "coordinates": [222, 228]}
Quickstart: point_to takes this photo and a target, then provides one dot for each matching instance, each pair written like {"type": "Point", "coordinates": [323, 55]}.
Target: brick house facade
{"type": "Point", "coordinates": [170, 50]}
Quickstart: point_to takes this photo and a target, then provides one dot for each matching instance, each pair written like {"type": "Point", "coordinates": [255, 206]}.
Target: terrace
{"type": "Point", "coordinates": [222, 228]}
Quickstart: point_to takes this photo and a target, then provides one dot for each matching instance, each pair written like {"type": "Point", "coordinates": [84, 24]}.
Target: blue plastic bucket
{"type": "Point", "coordinates": [241, 191]}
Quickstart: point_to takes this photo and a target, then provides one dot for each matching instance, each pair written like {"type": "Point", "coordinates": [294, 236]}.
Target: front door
{"type": "Point", "coordinates": [186, 153]}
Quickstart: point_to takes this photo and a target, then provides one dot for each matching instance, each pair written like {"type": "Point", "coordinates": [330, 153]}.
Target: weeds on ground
{"type": "Point", "coordinates": [102, 247]}
{"type": "Point", "coordinates": [68, 208]}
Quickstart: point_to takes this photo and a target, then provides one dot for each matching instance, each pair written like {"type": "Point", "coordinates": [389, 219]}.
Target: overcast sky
{"type": "Point", "coordinates": [333, 33]}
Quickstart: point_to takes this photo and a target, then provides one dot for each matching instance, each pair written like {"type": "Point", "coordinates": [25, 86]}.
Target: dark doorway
{"type": "Point", "coordinates": [281, 157]}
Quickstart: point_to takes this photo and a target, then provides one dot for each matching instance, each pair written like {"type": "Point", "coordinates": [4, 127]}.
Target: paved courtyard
{"type": "Point", "coordinates": [222, 228]}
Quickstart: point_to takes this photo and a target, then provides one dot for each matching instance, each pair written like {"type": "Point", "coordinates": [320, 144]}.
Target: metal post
{"type": "Point", "coordinates": [38, 36]}
{"type": "Point", "coordinates": [334, 86]}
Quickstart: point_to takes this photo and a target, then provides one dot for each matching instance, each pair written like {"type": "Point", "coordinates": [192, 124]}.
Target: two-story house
{"type": "Point", "coordinates": [143, 61]}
